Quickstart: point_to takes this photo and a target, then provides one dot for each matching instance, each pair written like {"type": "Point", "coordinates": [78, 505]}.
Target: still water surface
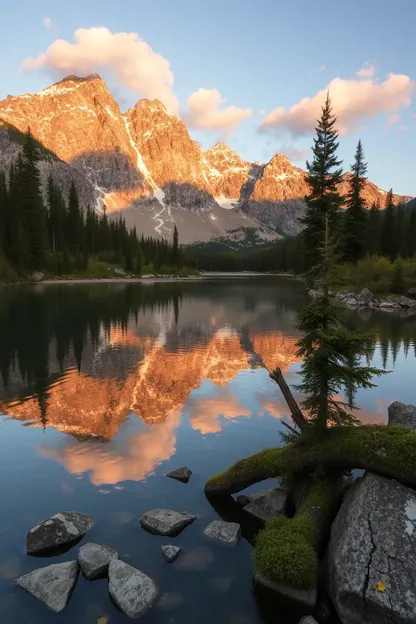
{"type": "Point", "coordinates": [105, 388]}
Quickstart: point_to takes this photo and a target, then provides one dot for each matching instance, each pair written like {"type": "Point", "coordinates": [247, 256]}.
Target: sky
{"type": "Point", "coordinates": [253, 74]}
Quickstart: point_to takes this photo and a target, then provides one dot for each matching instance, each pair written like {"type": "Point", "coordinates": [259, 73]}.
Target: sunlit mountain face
{"type": "Point", "coordinates": [118, 370]}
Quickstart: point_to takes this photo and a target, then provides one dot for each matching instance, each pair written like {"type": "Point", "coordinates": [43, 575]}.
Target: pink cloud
{"type": "Point", "coordinates": [353, 101]}
{"type": "Point", "coordinates": [47, 22]}
{"type": "Point", "coordinates": [293, 153]}
{"type": "Point", "coordinates": [205, 412]}
{"type": "Point", "coordinates": [367, 71]}
{"type": "Point", "coordinates": [204, 112]}
{"type": "Point", "coordinates": [402, 128]}
{"type": "Point", "coordinates": [131, 61]}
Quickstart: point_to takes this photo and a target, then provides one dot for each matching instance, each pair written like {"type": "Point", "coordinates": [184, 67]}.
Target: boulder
{"type": "Point", "coordinates": [371, 572]}
{"type": "Point", "coordinates": [52, 585]}
{"type": "Point", "coordinates": [401, 414]}
{"type": "Point", "coordinates": [37, 276]}
{"type": "Point", "coordinates": [301, 596]}
{"type": "Point", "coordinates": [165, 521]}
{"type": "Point", "coordinates": [170, 553]}
{"type": "Point", "coordinates": [94, 560]}
{"type": "Point", "coordinates": [119, 271]}
{"type": "Point", "coordinates": [180, 474]}
{"type": "Point", "coordinates": [132, 591]}
{"type": "Point", "coordinates": [59, 530]}
{"type": "Point", "coordinates": [365, 296]}
{"type": "Point", "coordinates": [308, 620]}
{"type": "Point", "coordinates": [388, 303]}
{"type": "Point", "coordinates": [352, 302]}
{"type": "Point", "coordinates": [267, 505]}
{"type": "Point", "coordinates": [225, 532]}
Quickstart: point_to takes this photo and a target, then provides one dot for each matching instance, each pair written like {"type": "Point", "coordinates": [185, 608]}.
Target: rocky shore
{"type": "Point", "coordinates": [366, 299]}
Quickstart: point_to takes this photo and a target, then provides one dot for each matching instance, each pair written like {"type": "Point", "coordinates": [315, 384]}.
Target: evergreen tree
{"type": "Point", "coordinates": [175, 248]}
{"type": "Point", "coordinates": [388, 230]}
{"type": "Point", "coordinates": [411, 233]}
{"type": "Point", "coordinates": [330, 352]}
{"type": "Point", "coordinates": [373, 230]}
{"type": "Point", "coordinates": [324, 176]}
{"type": "Point", "coordinates": [398, 283]}
{"type": "Point", "coordinates": [355, 214]}
{"type": "Point", "coordinates": [74, 223]}
{"type": "Point", "coordinates": [3, 211]}
{"type": "Point", "coordinates": [32, 209]}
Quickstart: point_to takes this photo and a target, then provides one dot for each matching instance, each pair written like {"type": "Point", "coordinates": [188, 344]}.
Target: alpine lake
{"type": "Point", "coordinates": [104, 388]}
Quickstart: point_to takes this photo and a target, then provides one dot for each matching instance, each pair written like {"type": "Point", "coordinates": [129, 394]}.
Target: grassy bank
{"type": "Point", "coordinates": [379, 275]}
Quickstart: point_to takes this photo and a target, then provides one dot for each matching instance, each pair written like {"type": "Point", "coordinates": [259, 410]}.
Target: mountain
{"type": "Point", "coordinates": [144, 164]}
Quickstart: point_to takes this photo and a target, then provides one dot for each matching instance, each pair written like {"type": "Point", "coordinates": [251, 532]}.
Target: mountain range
{"type": "Point", "coordinates": [144, 165]}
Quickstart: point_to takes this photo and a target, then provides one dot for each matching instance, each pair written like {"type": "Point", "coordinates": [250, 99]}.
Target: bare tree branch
{"type": "Point", "coordinates": [295, 410]}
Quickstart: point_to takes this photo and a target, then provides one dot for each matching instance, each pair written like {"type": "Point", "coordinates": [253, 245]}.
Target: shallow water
{"type": "Point", "coordinates": [105, 388]}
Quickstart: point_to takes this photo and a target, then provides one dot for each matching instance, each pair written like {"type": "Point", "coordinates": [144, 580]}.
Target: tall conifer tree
{"type": "Point", "coordinates": [355, 215]}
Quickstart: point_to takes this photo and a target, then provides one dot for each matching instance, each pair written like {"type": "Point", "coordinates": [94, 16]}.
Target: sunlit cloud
{"type": "Point", "coordinates": [205, 413]}
{"type": "Point", "coordinates": [47, 22]}
{"type": "Point", "coordinates": [354, 101]}
{"type": "Point", "coordinates": [205, 112]}
{"type": "Point", "coordinates": [293, 153]}
{"type": "Point", "coordinates": [368, 70]}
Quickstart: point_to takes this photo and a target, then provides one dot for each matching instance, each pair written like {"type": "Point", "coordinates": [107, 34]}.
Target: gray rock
{"type": "Point", "coordinates": [226, 532]}
{"type": "Point", "coordinates": [388, 303]}
{"type": "Point", "coordinates": [52, 585]}
{"type": "Point", "coordinates": [243, 500]}
{"type": "Point", "coordinates": [267, 505]}
{"type": "Point", "coordinates": [308, 620]}
{"type": "Point", "coordinates": [180, 474]}
{"type": "Point", "coordinates": [58, 530]}
{"type": "Point", "coordinates": [170, 553]}
{"type": "Point", "coordinates": [352, 302]}
{"type": "Point", "coordinates": [169, 601]}
{"type": "Point", "coordinates": [132, 591]}
{"type": "Point", "coordinates": [306, 597]}
{"type": "Point", "coordinates": [37, 276]}
{"type": "Point", "coordinates": [165, 521]}
{"type": "Point", "coordinates": [148, 276]}
{"type": "Point", "coordinates": [401, 414]}
{"type": "Point", "coordinates": [412, 292]}
{"type": "Point", "coordinates": [365, 296]}
{"type": "Point", "coordinates": [94, 560]}
{"type": "Point", "coordinates": [119, 271]}
{"type": "Point", "coordinates": [371, 572]}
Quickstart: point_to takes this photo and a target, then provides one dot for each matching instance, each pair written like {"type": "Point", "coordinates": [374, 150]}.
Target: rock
{"type": "Point", "coordinates": [148, 276]}
{"type": "Point", "coordinates": [196, 560]}
{"type": "Point", "coordinates": [52, 585]}
{"type": "Point", "coordinates": [352, 301]}
{"type": "Point", "coordinates": [267, 505]}
{"type": "Point", "coordinates": [371, 572]}
{"type": "Point", "coordinates": [169, 601]}
{"type": "Point", "coordinates": [401, 414]}
{"type": "Point", "coordinates": [243, 500]}
{"type": "Point", "coordinates": [412, 292]}
{"type": "Point", "coordinates": [388, 303]}
{"type": "Point", "coordinates": [94, 560]}
{"type": "Point", "coordinates": [58, 530]}
{"type": "Point", "coordinates": [165, 521]}
{"type": "Point", "coordinates": [306, 597]}
{"type": "Point", "coordinates": [132, 591]}
{"type": "Point", "coordinates": [37, 276]}
{"type": "Point", "coordinates": [308, 620]}
{"type": "Point", "coordinates": [180, 474]}
{"type": "Point", "coordinates": [226, 532]}
{"type": "Point", "coordinates": [170, 553]}
{"type": "Point", "coordinates": [119, 271]}
{"type": "Point", "coordinates": [365, 296]}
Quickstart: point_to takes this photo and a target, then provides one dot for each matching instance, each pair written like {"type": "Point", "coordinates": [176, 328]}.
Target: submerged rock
{"type": "Point", "coordinates": [169, 601]}
{"type": "Point", "coordinates": [94, 560]}
{"type": "Point", "coordinates": [170, 553]}
{"type": "Point", "coordinates": [180, 474]}
{"type": "Point", "coordinates": [371, 572]}
{"type": "Point", "coordinates": [52, 585]}
{"type": "Point", "coordinates": [197, 560]}
{"type": "Point", "coordinates": [165, 521]}
{"type": "Point", "coordinates": [58, 530]}
{"type": "Point", "coordinates": [268, 504]}
{"type": "Point", "coordinates": [226, 532]}
{"type": "Point", "coordinates": [401, 414]}
{"type": "Point", "coordinates": [132, 591]}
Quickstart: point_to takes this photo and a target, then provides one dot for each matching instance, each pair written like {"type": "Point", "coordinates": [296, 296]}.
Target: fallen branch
{"type": "Point", "coordinates": [295, 410]}
{"type": "Point", "coordinates": [292, 429]}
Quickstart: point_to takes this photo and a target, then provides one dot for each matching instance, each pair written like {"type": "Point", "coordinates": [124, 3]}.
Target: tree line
{"type": "Point", "coordinates": [56, 234]}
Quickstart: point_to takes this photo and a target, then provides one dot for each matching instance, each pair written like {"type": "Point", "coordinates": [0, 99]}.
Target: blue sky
{"type": "Point", "coordinates": [260, 56]}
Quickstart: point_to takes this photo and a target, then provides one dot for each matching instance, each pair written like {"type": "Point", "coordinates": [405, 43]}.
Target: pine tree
{"type": "Point", "coordinates": [3, 211]}
{"type": "Point", "coordinates": [74, 223]}
{"type": "Point", "coordinates": [324, 176]}
{"type": "Point", "coordinates": [330, 352]}
{"type": "Point", "coordinates": [388, 229]}
{"type": "Point", "coordinates": [373, 230]}
{"type": "Point", "coordinates": [411, 233]}
{"type": "Point", "coordinates": [398, 282]}
{"type": "Point", "coordinates": [175, 248]}
{"type": "Point", "coordinates": [355, 215]}
{"type": "Point", "coordinates": [32, 209]}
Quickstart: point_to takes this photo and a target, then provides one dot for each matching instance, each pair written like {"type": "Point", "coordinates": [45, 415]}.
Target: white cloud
{"type": "Point", "coordinates": [391, 121]}
{"type": "Point", "coordinates": [353, 101]}
{"type": "Point", "coordinates": [204, 112]}
{"type": "Point", "coordinates": [367, 71]}
{"type": "Point", "coordinates": [47, 22]}
{"type": "Point", "coordinates": [293, 153]}
{"type": "Point", "coordinates": [131, 61]}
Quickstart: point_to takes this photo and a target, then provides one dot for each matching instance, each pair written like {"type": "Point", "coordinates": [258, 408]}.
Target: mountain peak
{"type": "Point", "coordinates": [76, 79]}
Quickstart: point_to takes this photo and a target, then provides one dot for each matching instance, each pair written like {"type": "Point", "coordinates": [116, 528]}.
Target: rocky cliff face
{"type": "Point", "coordinates": [144, 163]}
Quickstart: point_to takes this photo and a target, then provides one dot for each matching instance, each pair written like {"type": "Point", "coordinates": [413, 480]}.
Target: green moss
{"type": "Point", "coordinates": [321, 495]}
{"type": "Point", "coordinates": [285, 551]}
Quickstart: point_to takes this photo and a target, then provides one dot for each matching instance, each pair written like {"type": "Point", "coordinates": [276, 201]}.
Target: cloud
{"type": "Point", "coordinates": [47, 22]}
{"type": "Point", "coordinates": [293, 153]}
{"type": "Point", "coordinates": [204, 112]}
{"type": "Point", "coordinates": [205, 412]}
{"type": "Point", "coordinates": [130, 60]}
{"type": "Point", "coordinates": [367, 71]}
{"type": "Point", "coordinates": [402, 128]}
{"type": "Point", "coordinates": [391, 121]}
{"type": "Point", "coordinates": [353, 101]}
